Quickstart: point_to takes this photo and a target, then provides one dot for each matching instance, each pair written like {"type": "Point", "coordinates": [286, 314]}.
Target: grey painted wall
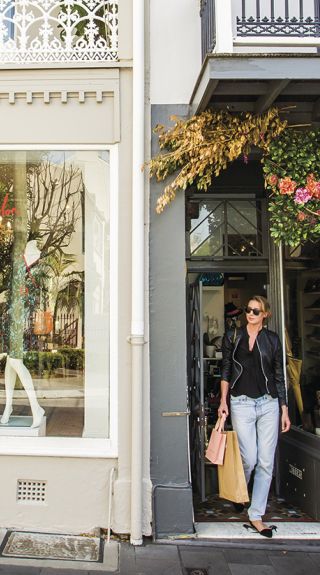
{"type": "Point", "coordinates": [172, 503]}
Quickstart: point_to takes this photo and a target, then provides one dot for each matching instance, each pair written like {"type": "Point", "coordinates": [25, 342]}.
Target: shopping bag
{"type": "Point", "coordinates": [231, 478]}
{"type": "Point", "coordinates": [294, 367]}
{"type": "Point", "coordinates": [217, 442]}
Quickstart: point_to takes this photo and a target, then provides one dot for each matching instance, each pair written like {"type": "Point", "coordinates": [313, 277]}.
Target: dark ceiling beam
{"type": "Point", "coordinates": [293, 108]}
{"type": "Point", "coordinates": [302, 88]}
{"type": "Point", "coordinates": [274, 89]}
{"type": "Point", "coordinates": [316, 111]}
{"type": "Point", "coordinates": [241, 88]}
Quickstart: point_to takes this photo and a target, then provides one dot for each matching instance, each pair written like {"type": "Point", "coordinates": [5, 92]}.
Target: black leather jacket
{"type": "Point", "coordinates": [271, 355]}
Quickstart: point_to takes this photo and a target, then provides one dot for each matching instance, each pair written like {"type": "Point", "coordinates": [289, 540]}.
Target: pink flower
{"type": "Point", "coordinates": [287, 186]}
{"type": "Point", "coordinates": [245, 158]}
{"type": "Point", "coordinates": [302, 196]}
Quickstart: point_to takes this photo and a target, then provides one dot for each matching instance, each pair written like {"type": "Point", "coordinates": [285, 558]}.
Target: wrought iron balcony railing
{"type": "Point", "coordinates": [53, 31]}
{"type": "Point", "coordinates": [287, 18]}
{"type": "Point", "coordinates": [295, 21]}
{"type": "Point", "coordinates": [208, 27]}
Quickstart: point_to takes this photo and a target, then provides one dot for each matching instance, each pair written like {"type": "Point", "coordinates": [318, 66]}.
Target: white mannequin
{"type": "Point", "coordinates": [16, 367]}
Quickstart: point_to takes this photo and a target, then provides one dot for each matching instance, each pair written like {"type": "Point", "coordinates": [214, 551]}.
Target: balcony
{"type": "Point", "coordinates": [260, 53]}
{"type": "Point", "coordinates": [58, 32]}
{"type": "Point", "coordinates": [229, 25]}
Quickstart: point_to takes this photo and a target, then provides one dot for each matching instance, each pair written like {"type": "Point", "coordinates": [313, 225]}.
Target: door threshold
{"type": "Point", "coordinates": [286, 531]}
{"type": "Point", "coordinates": [302, 536]}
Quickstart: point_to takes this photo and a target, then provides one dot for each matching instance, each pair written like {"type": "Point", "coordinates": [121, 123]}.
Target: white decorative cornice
{"type": "Point", "coordinates": [47, 97]}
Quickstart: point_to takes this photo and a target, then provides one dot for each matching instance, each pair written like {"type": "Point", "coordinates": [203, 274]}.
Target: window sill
{"type": "Point", "coordinates": [92, 448]}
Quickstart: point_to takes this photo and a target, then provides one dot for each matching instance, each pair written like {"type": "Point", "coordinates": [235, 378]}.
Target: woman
{"type": "Point", "coordinates": [252, 369]}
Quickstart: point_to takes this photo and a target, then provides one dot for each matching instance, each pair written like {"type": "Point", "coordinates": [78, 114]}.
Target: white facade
{"type": "Point", "coordinates": [96, 98]}
{"type": "Point", "coordinates": [175, 50]}
{"type": "Point", "coordinates": [76, 98]}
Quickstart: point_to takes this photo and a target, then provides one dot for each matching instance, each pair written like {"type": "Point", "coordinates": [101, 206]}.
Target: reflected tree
{"type": "Point", "coordinates": [48, 199]}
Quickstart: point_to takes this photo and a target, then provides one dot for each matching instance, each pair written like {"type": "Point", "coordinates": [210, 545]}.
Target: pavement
{"type": "Point", "coordinates": [191, 558]}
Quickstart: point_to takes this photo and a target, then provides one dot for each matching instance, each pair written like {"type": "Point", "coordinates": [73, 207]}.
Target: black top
{"type": "Point", "coordinates": [252, 381]}
{"type": "Point", "coordinates": [270, 348]}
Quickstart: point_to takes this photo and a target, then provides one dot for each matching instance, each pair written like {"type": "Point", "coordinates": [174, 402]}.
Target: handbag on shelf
{"type": "Point", "coordinates": [43, 322]}
{"type": "Point", "coordinates": [231, 478]}
{"type": "Point", "coordinates": [217, 442]}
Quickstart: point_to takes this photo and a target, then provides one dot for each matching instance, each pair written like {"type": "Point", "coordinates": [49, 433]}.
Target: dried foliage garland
{"type": "Point", "coordinates": [201, 147]}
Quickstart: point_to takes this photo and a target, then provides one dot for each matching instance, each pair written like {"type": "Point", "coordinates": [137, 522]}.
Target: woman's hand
{"type": "Point", "coordinates": [285, 421]}
{"type": "Point", "coordinates": [223, 408]}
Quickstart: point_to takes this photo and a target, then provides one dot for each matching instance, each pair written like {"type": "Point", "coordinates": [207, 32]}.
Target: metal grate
{"type": "Point", "coordinates": [31, 491]}
{"type": "Point", "coordinates": [196, 571]}
{"type": "Point", "coordinates": [58, 547]}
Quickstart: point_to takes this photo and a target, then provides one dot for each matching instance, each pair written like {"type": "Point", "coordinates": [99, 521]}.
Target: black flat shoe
{"type": "Point", "coordinates": [238, 507]}
{"type": "Point", "coordinates": [267, 532]}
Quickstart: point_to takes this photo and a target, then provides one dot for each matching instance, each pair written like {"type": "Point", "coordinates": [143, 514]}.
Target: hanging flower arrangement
{"type": "Point", "coordinates": [198, 149]}
{"type": "Point", "coordinates": [292, 176]}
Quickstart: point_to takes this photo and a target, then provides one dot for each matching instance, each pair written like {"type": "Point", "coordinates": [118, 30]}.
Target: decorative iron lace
{"type": "Point", "coordinates": [51, 31]}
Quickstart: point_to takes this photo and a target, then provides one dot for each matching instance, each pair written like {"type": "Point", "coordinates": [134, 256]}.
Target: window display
{"type": "Point", "coordinates": [54, 291]}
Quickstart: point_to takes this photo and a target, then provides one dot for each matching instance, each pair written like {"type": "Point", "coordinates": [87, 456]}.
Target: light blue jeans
{"type": "Point", "coordinates": [256, 422]}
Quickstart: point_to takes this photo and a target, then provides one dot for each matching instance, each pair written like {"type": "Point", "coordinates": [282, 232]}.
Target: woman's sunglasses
{"type": "Point", "coordinates": [254, 310]}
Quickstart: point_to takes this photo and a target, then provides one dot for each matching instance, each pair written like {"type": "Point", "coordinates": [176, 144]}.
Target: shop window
{"type": "Point", "coordinates": [54, 291]}
{"type": "Point", "coordinates": [226, 228]}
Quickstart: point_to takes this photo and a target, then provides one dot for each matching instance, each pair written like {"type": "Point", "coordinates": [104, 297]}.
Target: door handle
{"type": "Point", "coordinates": [175, 413]}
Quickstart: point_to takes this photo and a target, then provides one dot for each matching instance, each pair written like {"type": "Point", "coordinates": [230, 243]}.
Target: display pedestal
{"type": "Point", "coordinates": [20, 425]}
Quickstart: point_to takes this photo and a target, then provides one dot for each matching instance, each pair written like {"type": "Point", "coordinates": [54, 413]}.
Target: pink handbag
{"type": "Point", "coordinates": [217, 442]}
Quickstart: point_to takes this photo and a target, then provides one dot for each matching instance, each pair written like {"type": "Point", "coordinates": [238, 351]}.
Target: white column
{"type": "Point", "coordinates": [137, 317]}
{"type": "Point", "coordinates": [224, 34]}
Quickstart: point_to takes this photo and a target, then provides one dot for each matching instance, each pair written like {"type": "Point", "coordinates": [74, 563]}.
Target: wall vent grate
{"type": "Point", "coordinates": [31, 491]}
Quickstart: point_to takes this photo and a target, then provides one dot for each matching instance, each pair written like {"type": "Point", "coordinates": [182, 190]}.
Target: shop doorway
{"type": "Point", "coordinates": [230, 257]}
{"type": "Point", "coordinates": [216, 302]}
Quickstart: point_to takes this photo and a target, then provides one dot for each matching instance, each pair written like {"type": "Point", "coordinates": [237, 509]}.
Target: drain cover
{"type": "Point", "coordinates": [52, 546]}
{"type": "Point", "coordinates": [196, 571]}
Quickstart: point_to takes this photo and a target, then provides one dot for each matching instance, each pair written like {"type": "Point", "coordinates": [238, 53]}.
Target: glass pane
{"type": "Point", "coordinates": [244, 235]}
{"type": "Point", "coordinates": [54, 292]}
{"type": "Point", "coordinates": [206, 235]}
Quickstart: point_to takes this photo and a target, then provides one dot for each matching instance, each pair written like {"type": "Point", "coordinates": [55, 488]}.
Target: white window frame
{"type": "Point", "coordinates": [84, 446]}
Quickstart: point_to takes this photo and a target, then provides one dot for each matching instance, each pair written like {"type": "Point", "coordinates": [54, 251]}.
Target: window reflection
{"type": "Point", "coordinates": [54, 291]}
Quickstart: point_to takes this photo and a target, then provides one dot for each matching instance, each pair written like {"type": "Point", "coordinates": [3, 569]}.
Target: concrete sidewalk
{"type": "Point", "coordinates": [201, 558]}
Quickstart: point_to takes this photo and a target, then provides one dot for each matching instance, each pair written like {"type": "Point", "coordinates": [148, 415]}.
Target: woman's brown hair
{"type": "Point", "coordinates": [265, 306]}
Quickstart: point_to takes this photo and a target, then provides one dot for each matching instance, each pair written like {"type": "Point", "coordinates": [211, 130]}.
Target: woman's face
{"type": "Point", "coordinates": [252, 315]}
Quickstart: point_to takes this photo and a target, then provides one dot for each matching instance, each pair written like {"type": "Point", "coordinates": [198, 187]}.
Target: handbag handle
{"type": "Point", "coordinates": [219, 426]}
